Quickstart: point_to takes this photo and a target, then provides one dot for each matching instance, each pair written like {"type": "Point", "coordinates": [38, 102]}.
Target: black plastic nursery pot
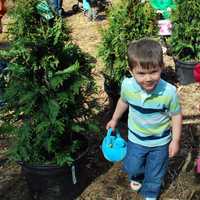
{"type": "Point", "coordinates": [184, 71]}
{"type": "Point", "coordinates": [51, 182]}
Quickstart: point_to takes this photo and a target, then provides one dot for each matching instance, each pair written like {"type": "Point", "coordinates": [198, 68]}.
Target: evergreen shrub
{"type": "Point", "coordinates": [48, 89]}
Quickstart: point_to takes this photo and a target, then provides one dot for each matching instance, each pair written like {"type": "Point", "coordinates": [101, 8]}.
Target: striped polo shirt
{"type": "Point", "coordinates": [149, 118]}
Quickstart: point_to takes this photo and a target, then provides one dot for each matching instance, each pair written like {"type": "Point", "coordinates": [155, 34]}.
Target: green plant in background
{"type": "Point", "coordinates": [129, 20]}
{"type": "Point", "coordinates": [185, 39]}
{"type": "Point", "coordinates": [48, 89]}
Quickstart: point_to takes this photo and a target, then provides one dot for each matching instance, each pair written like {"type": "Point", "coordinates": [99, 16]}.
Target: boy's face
{"type": "Point", "coordinates": [147, 78]}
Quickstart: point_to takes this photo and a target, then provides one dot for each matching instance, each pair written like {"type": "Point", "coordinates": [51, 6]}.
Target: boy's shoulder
{"type": "Point", "coordinates": [164, 92]}
{"type": "Point", "coordinates": [167, 87]}
{"type": "Point", "coordinates": [129, 83]}
{"type": "Point", "coordinates": [127, 79]}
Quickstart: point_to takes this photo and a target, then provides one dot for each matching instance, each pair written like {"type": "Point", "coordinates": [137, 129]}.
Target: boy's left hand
{"type": "Point", "coordinates": [173, 148]}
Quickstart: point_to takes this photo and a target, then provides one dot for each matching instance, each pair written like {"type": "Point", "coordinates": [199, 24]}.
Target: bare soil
{"type": "Point", "coordinates": [106, 181]}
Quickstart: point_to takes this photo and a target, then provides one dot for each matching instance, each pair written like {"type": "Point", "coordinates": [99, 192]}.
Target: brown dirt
{"type": "Point", "coordinates": [106, 181]}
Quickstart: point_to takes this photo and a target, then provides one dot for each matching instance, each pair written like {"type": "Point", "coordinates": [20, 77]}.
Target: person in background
{"type": "Point", "coordinates": [154, 119]}
{"type": "Point", "coordinates": [2, 12]}
{"type": "Point", "coordinates": [93, 10]}
{"type": "Point", "coordinates": [57, 6]}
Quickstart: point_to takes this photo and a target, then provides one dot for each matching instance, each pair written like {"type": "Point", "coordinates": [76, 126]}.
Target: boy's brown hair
{"type": "Point", "coordinates": [146, 53]}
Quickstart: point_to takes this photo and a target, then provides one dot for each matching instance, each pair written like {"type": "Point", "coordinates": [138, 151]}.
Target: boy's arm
{"type": "Point", "coordinates": [119, 110]}
{"type": "Point", "coordinates": [176, 134]}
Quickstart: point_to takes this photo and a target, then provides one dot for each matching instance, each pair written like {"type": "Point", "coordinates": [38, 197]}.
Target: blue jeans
{"type": "Point", "coordinates": [57, 6]}
{"type": "Point", "coordinates": [147, 165]}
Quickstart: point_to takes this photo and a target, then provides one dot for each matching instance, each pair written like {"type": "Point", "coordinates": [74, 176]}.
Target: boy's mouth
{"type": "Point", "coordinates": [149, 86]}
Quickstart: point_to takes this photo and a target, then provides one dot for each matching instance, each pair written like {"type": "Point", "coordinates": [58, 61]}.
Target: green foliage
{"type": "Point", "coordinates": [47, 89]}
{"type": "Point", "coordinates": [129, 21]}
{"type": "Point", "coordinates": [185, 39]}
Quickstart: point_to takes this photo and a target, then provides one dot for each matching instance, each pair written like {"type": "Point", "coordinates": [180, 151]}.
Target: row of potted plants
{"type": "Point", "coordinates": [132, 20]}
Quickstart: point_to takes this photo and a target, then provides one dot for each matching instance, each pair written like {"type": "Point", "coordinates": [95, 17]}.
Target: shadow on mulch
{"type": "Point", "coordinates": [101, 17]}
{"type": "Point", "coordinates": [68, 13]}
{"type": "Point", "coordinates": [100, 14]}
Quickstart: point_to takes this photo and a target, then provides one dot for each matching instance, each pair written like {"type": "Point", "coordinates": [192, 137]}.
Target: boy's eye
{"type": "Point", "coordinates": [141, 73]}
{"type": "Point", "coordinates": [155, 71]}
{"type": "Point", "coordinates": [147, 72]}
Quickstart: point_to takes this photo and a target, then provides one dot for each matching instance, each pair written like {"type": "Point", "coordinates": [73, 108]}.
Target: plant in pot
{"type": "Point", "coordinates": [128, 20]}
{"type": "Point", "coordinates": [48, 93]}
{"type": "Point", "coordinates": [185, 40]}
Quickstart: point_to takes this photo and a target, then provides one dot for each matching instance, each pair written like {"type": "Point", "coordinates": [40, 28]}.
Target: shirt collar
{"type": "Point", "coordinates": [157, 90]}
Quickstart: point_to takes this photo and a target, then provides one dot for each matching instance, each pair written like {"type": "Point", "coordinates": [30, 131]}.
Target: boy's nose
{"type": "Point", "coordinates": [148, 77]}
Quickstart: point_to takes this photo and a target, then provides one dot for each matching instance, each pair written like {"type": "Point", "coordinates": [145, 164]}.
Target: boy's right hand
{"type": "Point", "coordinates": [111, 124]}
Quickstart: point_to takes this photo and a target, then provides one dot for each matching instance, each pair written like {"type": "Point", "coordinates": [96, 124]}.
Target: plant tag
{"type": "Point", "coordinates": [165, 27]}
{"type": "Point", "coordinates": [74, 175]}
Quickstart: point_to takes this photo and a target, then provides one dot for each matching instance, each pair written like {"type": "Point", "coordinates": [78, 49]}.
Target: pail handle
{"type": "Point", "coordinates": [110, 130]}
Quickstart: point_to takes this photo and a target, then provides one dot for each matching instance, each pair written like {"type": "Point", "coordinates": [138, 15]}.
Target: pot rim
{"type": "Point", "coordinates": [176, 59]}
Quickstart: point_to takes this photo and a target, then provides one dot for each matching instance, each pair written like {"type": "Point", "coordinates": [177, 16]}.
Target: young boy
{"type": "Point", "coordinates": [152, 104]}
